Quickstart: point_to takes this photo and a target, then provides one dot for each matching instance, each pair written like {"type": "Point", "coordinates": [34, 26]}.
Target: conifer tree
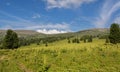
{"type": "Point", "coordinates": [11, 40]}
{"type": "Point", "coordinates": [90, 39]}
{"type": "Point", "coordinates": [114, 33]}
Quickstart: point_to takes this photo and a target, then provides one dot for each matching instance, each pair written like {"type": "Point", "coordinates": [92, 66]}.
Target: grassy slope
{"type": "Point", "coordinates": [94, 32]}
{"type": "Point", "coordinates": [23, 33]}
{"type": "Point", "coordinates": [98, 31]}
{"type": "Point", "coordinates": [62, 57]}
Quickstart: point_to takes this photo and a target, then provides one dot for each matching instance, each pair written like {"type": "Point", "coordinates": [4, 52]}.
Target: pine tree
{"type": "Point", "coordinates": [114, 33]}
{"type": "Point", "coordinates": [90, 39]}
{"type": "Point", "coordinates": [11, 40]}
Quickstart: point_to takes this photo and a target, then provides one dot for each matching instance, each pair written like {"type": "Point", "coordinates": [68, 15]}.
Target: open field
{"type": "Point", "coordinates": [59, 35]}
{"type": "Point", "coordinates": [62, 57]}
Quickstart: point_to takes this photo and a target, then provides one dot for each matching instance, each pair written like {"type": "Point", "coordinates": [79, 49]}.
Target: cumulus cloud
{"type": "Point", "coordinates": [108, 9]}
{"type": "Point", "coordinates": [53, 31]}
{"type": "Point", "coordinates": [66, 3]}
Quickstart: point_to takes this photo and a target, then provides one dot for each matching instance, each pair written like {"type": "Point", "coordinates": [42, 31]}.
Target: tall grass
{"type": "Point", "coordinates": [62, 57]}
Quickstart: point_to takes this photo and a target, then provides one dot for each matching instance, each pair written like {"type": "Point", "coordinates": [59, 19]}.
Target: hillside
{"type": "Point", "coordinates": [27, 32]}
{"type": "Point", "coordinates": [23, 33]}
{"type": "Point", "coordinates": [94, 32]}
{"type": "Point", "coordinates": [62, 57]}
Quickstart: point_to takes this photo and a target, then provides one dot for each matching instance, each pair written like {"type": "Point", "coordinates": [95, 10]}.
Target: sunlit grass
{"type": "Point", "coordinates": [62, 57]}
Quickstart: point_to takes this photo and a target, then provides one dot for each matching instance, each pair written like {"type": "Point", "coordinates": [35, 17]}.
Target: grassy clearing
{"type": "Point", "coordinates": [62, 57]}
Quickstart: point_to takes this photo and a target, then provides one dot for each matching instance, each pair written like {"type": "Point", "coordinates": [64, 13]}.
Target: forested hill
{"type": "Point", "coordinates": [27, 37]}
{"type": "Point", "coordinates": [94, 32]}
{"type": "Point", "coordinates": [29, 32]}
{"type": "Point", "coordinates": [23, 33]}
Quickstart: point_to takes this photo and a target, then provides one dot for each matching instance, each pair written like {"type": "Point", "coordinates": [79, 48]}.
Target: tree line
{"type": "Point", "coordinates": [85, 38]}
{"type": "Point", "coordinates": [12, 41]}
{"type": "Point", "coordinates": [113, 37]}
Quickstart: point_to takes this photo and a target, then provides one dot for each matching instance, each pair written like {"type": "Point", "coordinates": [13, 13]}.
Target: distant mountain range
{"type": "Point", "coordinates": [95, 31]}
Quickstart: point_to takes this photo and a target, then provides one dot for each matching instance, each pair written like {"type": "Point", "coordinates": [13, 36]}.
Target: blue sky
{"type": "Point", "coordinates": [58, 15]}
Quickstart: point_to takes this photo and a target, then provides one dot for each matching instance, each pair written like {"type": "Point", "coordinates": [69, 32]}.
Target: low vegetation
{"type": "Point", "coordinates": [61, 53]}
{"type": "Point", "coordinates": [62, 57]}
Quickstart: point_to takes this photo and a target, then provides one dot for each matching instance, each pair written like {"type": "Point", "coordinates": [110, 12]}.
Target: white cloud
{"type": "Point", "coordinates": [66, 3]}
{"type": "Point", "coordinates": [6, 27]}
{"type": "Point", "coordinates": [117, 20]}
{"type": "Point", "coordinates": [14, 17]}
{"type": "Point", "coordinates": [108, 9]}
{"type": "Point", "coordinates": [20, 23]}
{"type": "Point", "coordinates": [32, 26]}
{"type": "Point", "coordinates": [52, 31]}
{"type": "Point", "coordinates": [49, 26]}
{"type": "Point", "coordinates": [36, 16]}
{"type": "Point", "coordinates": [16, 23]}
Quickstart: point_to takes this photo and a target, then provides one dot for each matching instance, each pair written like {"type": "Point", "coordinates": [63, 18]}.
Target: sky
{"type": "Point", "coordinates": [58, 16]}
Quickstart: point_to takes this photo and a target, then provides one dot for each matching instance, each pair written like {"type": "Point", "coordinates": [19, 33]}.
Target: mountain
{"type": "Point", "coordinates": [94, 32]}
{"type": "Point", "coordinates": [28, 32]}
{"type": "Point", "coordinates": [23, 33]}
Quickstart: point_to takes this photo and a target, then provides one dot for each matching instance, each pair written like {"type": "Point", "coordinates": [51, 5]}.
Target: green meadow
{"type": "Point", "coordinates": [62, 56]}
